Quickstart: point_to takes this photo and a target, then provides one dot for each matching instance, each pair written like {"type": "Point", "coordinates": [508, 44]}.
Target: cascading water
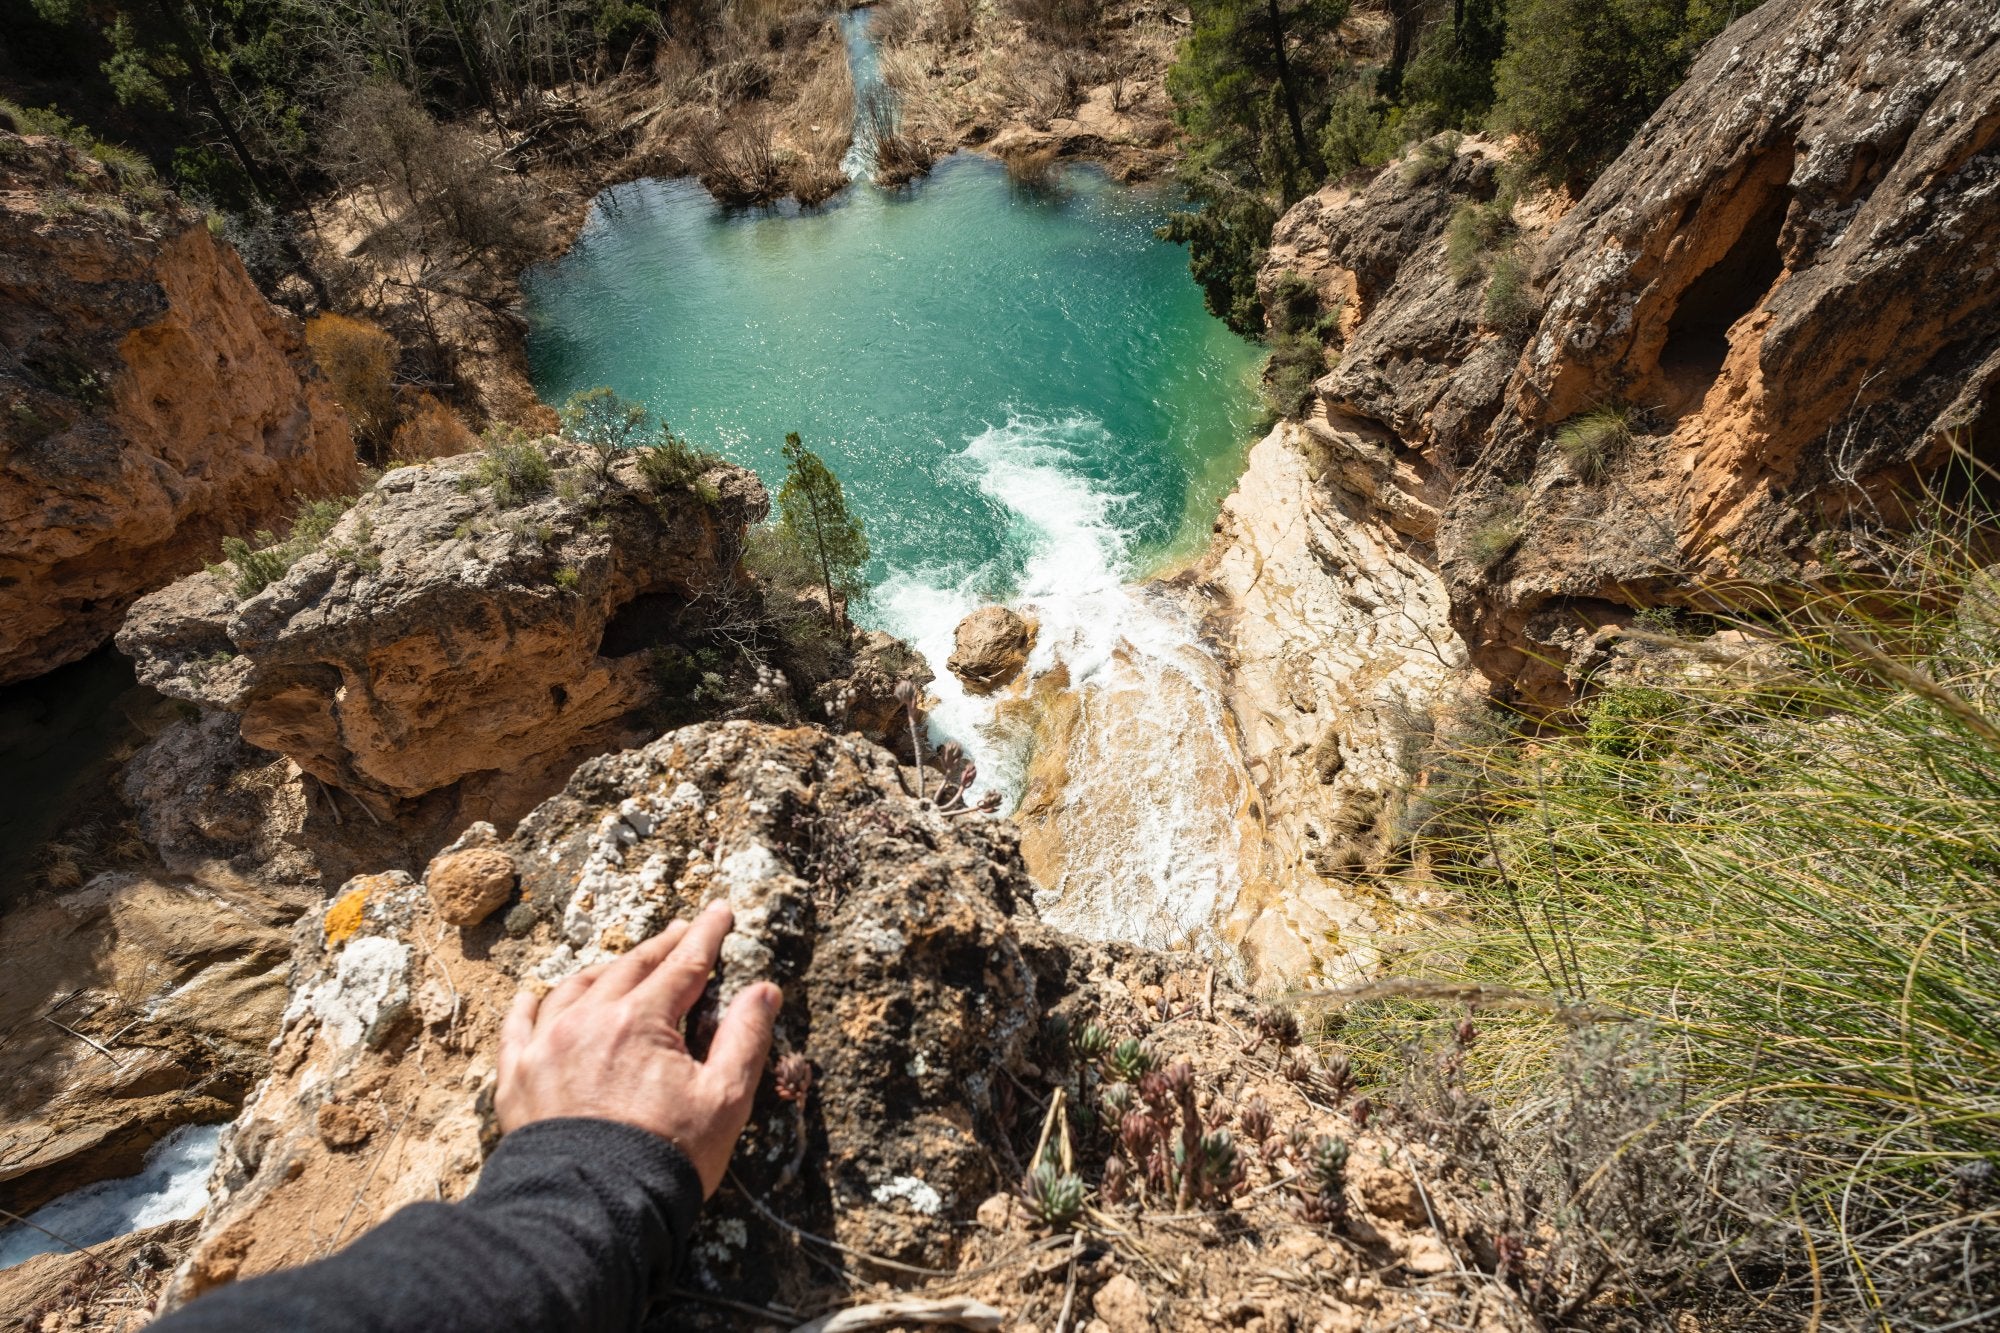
{"type": "Point", "coordinates": [865, 73]}
{"type": "Point", "coordinates": [1141, 841]}
{"type": "Point", "coordinates": [1026, 402]}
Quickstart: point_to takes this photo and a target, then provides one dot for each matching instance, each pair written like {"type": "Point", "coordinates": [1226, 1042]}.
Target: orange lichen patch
{"type": "Point", "coordinates": [345, 916]}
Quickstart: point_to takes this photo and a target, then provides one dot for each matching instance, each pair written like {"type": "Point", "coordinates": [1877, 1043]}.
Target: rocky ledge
{"type": "Point", "coordinates": [936, 1017]}
{"type": "Point", "coordinates": [151, 401]}
{"type": "Point", "coordinates": [451, 633]}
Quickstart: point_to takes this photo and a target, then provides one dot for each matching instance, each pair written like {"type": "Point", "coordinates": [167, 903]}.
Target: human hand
{"type": "Point", "coordinates": [607, 1043]}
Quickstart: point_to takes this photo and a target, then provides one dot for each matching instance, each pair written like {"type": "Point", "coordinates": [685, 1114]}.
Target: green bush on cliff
{"type": "Point", "coordinates": [513, 466]}
{"type": "Point", "coordinates": [1784, 870]}
{"type": "Point", "coordinates": [254, 564]}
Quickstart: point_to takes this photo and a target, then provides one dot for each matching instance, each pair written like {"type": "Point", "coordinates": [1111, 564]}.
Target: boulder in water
{"type": "Point", "coordinates": [989, 648]}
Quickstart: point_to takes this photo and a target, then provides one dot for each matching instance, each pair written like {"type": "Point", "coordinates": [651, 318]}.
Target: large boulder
{"type": "Point", "coordinates": [446, 635]}
{"type": "Point", "coordinates": [989, 649]}
{"type": "Point", "coordinates": [151, 402]}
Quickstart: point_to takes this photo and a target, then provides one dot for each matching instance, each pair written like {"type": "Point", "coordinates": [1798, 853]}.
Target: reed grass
{"type": "Point", "coordinates": [1778, 853]}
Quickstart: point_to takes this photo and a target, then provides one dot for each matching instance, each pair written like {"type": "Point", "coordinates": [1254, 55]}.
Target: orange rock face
{"type": "Point", "coordinates": [1787, 288]}
{"type": "Point", "coordinates": [151, 402]}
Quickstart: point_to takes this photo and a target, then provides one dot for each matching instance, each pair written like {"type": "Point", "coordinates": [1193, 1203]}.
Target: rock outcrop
{"type": "Point", "coordinates": [151, 402]}
{"type": "Point", "coordinates": [442, 639]}
{"type": "Point", "coordinates": [1338, 650]}
{"type": "Point", "coordinates": [929, 1002]}
{"type": "Point", "coordinates": [989, 648]}
{"type": "Point", "coordinates": [1784, 298]}
{"type": "Point", "coordinates": [1792, 276]}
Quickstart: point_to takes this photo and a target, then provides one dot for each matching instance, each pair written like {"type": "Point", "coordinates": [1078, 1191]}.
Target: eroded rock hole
{"type": "Point", "coordinates": [1726, 291]}
{"type": "Point", "coordinates": [650, 619]}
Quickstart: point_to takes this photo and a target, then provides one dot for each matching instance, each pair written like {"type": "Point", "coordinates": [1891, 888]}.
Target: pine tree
{"type": "Point", "coordinates": [813, 519]}
{"type": "Point", "coordinates": [1250, 88]}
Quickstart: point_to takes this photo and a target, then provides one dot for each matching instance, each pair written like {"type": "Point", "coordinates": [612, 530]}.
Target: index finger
{"type": "Point", "coordinates": [677, 983]}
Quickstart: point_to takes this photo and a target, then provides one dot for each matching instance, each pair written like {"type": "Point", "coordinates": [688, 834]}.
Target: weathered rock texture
{"type": "Point", "coordinates": [136, 1004]}
{"type": "Point", "coordinates": [440, 640]}
{"type": "Point", "coordinates": [1791, 278]}
{"type": "Point", "coordinates": [1337, 648]}
{"type": "Point", "coordinates": [151, 402]}
{"type": "Point", "coordinates": [917, 983]}
{"type": "Point", "coordinates": [989, 648]}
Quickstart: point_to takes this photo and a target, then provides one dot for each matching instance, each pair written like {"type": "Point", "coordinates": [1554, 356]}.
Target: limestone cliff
{"type": "Point", "coordinates": [153, 401]}
{"type": "Point", "coordinates": [449, 633]}
{"type": "Point", "coordinates": [1784, 297]}
{"type": "Point", "coordinates": [1333, 632]}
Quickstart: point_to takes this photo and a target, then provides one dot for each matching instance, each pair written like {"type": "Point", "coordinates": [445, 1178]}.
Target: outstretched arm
{"type": "Point", "coordinates": [614, 1136]}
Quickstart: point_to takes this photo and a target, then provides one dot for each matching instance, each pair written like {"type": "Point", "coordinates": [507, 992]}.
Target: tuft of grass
{"type": "Point", "coordinates": [513, 466]}
{"type": "Point", "coordinates": [1509, 304]}
{"type": "Point", "coordinates": [1474, 233]}
{"type": "Point", "coordinates": [1589, 442]}
{"type": "Point", "coordinates": [1788, 874]}
{"type": "Point", "coordinates": [255, 564]}
{"type": "Point", "coordinates": [1431, 159]}
{"type": "Point", "coordinates": [1499, 530]}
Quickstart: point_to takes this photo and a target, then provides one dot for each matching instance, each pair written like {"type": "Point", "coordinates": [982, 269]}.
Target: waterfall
{"type": "Point", "coordinates": [1123, 750]}
{"type": "Point", "coordinates": [864, 71]}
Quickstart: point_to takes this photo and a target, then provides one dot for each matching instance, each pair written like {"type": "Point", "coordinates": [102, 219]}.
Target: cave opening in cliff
{"type": "Point", "coordinates": [1727, 290]}
{"type": "Point", "coordinates": [644, 623]}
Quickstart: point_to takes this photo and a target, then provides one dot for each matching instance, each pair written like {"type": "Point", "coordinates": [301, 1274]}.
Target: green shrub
{"type": "Point", "coordinates": [1588, 443]}
{"type": "Point", "coordinates": [1579, 77]}
{"type": "Point", "coordinates": [513, 466]}
{"type": "Point", "coordinates": [567, 578]}
{"type": "Point", "coordinates": [1509, 304]}
{"type": "Point", "coordinates": [671, 461]}
{"type": "Point", "coordinates": [1362, 132]}
{"type": "Point", "coordinates": [1474, 233]}
{"type": "Point", "coordinates": [1296, 362]}
{"type": "Point", "coordinates": [255, 564]}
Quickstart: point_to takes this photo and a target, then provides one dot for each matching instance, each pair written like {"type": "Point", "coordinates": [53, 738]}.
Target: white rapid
{"type": "Point", "coordinates": [173, 1184]}
{"type": "Point", "coordinates": [1120, 758]}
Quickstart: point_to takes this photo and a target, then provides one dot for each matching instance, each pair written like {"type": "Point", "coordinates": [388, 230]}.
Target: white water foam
{"type": "Point", "coordinates": [171, 1185]}
{"type": "Point", "coordinates": [1148, 848]}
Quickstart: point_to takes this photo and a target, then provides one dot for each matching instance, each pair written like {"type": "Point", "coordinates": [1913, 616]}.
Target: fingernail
{"type": "Point", "coordinates": [772, 999]}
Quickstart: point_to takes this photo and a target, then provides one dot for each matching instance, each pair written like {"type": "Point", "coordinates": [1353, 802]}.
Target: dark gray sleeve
{"type": "Point", "coordinates": [575, 1224]}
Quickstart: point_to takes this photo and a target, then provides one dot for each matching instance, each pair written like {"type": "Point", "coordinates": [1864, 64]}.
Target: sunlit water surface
{"type": "Point", "coordinates": [1026, 402]}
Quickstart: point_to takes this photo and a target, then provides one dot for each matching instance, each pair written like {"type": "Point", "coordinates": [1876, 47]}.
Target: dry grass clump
{"type": "Point", "coordinates": [1589, 442]}
{"type": "Point", "coordinates": [1788, 875]}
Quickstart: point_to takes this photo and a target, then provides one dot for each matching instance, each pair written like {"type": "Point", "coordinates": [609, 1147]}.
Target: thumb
{"type": "Point", "coordinates": [742, 1040]}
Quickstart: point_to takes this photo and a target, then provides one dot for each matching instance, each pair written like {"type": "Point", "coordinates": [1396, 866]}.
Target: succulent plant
{"type": "Point", "coordinates": [794, 1076]}
{"type": "Point", "coordinates": [1465, 1033]}
{"type": "Point", "coordinates": [1255, 1120]}
{"type": "Point", "coordinates": [1116, 1101]}
{"type": "Point", "coordinates": [1131, 1060]}
{"type": "Point", "coordinates": [1361, 1111]}
{"type": "Point", "coordinates": [1056, 1031]}
{"type": "Point", "coordinates": [1326, 1177]}
{"type": "Point", "coordinates": [1117, 1176]}
{"type": "Point", "coordinates": [1054, 1196]}
{"type": "Point", "coordinates": [1136, 1134]}
{"type": "Point", "coordinates": [1327, 1162]}
{"type": "Point", "coordinates": [1279, 1025]}
{"type": "Point", "coordinates": [1090, 1042]}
